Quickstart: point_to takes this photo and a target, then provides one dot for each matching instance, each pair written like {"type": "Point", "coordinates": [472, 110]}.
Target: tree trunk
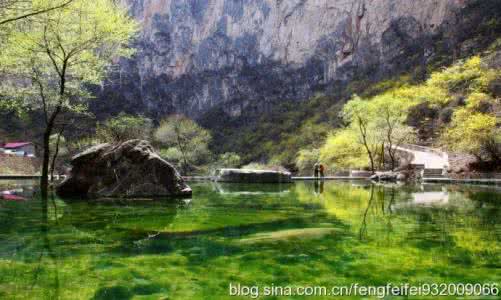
{"type": "Point", "coordinates": [44, 181]}
{"type": "Point", "coordinates": [371, 158]}
{"type": "Point", "coordinates": [392, 155]}
{"type": "Point", "coordinates": [56, 153]}
{"type": "Point", "coordinates": [183, 152]}
{"type": "Point", "coordinates": [185, 165]}
{"type": "Point", "coordinates": [393, 161]}
{"type": "Point", "coordinates": [382, 164]}
{"type": "Point", "coordinates": [363, 133]}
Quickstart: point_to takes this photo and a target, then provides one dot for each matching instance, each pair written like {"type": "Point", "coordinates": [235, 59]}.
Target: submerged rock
{"type": "Point", "coordinates": [252, 176]}
{"type": "Point", "coordinates": [281, 235]}
{"type": "Point", "coordinates": [129, 169]}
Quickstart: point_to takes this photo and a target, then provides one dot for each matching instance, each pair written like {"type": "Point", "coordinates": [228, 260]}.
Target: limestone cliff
{"type": "Point", "coordinates": [194, 55]}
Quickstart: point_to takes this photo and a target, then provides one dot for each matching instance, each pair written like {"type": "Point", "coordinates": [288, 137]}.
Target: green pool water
{"type": "Point", "coordinates": [301, 234]}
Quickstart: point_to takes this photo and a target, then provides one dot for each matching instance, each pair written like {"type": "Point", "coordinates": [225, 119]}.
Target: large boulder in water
{"type": "Point", "coordinates": [129, 169]}
{"type": "Point", "coordinates": [252, 176]}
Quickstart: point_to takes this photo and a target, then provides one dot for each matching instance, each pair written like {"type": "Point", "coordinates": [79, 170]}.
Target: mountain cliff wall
{"type": "Point", "coordinates": [195, 55]}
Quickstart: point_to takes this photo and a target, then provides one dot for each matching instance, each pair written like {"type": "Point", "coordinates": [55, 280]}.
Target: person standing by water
{"type": "Point", "coordinates": [316, 170]}
{"type": "Point", "coordinates": [322, 170]}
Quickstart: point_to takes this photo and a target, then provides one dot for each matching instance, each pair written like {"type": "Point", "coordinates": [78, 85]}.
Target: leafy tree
{"type": "Point", "coordinates": [389, 114]}
{"type": "Point", "coordinates": [342, 151]}
{"type": "Point", "coordinates": [356, 112]}
{"type": "Point", "coordinates": [306, 160]}
{"type": "Point", "coordinates": [173, 155]}
{"type": "Point", "coordinates": [124, 127]}
{"type": "Point", "coordinates": [475, 133]}
{"type": "Point", "coordinates": [52, 57]}
{"type": "Point", "coordinates": [382, 125]}
{"type": "Point", "coordinates": [228, 160]}
{"type": "Point", "coordinates": [309, 136]}
{"type": "Point", "coordinates": [184, 141]}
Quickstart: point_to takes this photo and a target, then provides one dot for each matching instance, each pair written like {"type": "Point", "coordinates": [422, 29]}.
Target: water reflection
{"type": "Point", "coordinates": [21, 190]}
{"type": "Point", "coordinates": [47, 255]}
{"type": "Point", "coordinates": [378, 212]}
{"type": "Point", "coordinates": [319, 187]}
{"type": "Point", "coordinates": [324, 232]}
{"type": "Point", "coordinates": [251, 189]}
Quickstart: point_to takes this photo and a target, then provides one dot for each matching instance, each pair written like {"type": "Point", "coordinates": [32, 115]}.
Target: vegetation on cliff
{"type": "Point", "coordinates": [455, 108]}
{"type": "Point", "coordinates": [463, 98]}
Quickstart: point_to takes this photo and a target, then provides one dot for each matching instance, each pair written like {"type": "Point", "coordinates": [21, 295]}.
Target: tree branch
{"type": "Point", "coordinates": [43, 11]}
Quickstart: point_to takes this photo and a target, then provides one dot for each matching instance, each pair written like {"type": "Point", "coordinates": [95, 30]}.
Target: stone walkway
{"type": "Point", "coordinates": [428, 157]}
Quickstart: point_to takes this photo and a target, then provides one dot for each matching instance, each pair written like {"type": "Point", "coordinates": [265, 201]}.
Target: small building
{"type": "Point", "coordinates": [19, 149]}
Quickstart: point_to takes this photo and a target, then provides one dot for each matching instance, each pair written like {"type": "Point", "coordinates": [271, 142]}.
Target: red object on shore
{"type": "Point", "coordinates": [9, 197]}
{"type": "Point", "coordinates": [15, 145]}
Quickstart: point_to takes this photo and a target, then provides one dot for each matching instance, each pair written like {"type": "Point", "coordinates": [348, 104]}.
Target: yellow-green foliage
{"type": "Point", "coordinates": [124, 127]}
{"type": "Point", "coordinates": [476, 99]}
{"type": "Point", "coordinates": [306, 159]}
{"type": "Point", "coordinates": [462, 77]}
{"type": "Point", "coordinates": [422, 93]}
{"type": "Point", "coordinates": [372, 123]}
{"type": "Point", "coordinates": [56, 55]}
{"type": "Point", "coordinates": [473, 127]}
{"type": "Point", "coordinates": [342, 151]}
{"type": "Point", "coordinates": [471, 131]}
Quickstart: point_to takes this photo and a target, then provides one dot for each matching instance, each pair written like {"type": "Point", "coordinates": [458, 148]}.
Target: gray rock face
{"type": "Point", "coordinates": [130, 169]}
{"type": "Point", "coordinates": [252, 176]}
{"type": "Point", "coordinates": [194, 55]}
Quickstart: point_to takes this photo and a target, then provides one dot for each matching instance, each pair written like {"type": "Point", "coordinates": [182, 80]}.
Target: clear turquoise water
{"type": "Point", "coordinates": [300, 234]}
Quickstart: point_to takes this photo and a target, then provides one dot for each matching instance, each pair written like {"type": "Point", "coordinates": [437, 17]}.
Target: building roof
{"type": "Point", "coordinates": [16, 145]}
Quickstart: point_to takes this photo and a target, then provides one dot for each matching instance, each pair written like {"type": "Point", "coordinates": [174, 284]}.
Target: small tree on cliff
{"type": "Point", "coordinates": [50, 58]}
